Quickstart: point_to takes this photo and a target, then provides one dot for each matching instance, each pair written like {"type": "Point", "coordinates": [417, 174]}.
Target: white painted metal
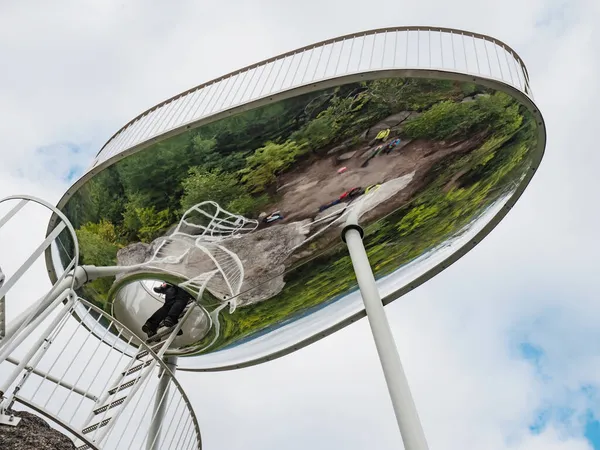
{"type": "Point", "coordinates": [11, 330]}
{"type": "Point", "coordinates": [9, 419]}
{"type": "Point", "coordinates": [400, 395]}
{"type": "Point", "coordinates": [112, 409]}
{"type": "Point", "coordinates": [337, 62]}
{"type": "Point", "coordinates": [39, 347]}
{"type": "Point", "coordinates": [35, 255]}
{"type": "Point", "coordinates": [160, 405]}
{"type": "Point", "coordinates": [71, 378]}
{"type": "Point", "coordinates": [2, 309]}
{"type": "Point", "coordinates": [53, 379]}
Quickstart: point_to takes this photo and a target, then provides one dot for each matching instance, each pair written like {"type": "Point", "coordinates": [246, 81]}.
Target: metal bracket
{"type": "Point", "coordinates": [9, 419]}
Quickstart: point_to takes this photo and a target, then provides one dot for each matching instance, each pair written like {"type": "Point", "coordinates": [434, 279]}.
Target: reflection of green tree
{"type": "Point", "coordinates": [431, 219]}
{"type": "Point", "coordinates": [232, 160]}
{"type": "Point", "coordinates": [263, 166]}
{"type": "Point", "coordinates": [397, 94]}
{"type": "Point", "coordinates": [449, 119]}
{"type": "Point", "coordinates": [221, 187]}
{"type": "Point", "coordinates": [97, 246]}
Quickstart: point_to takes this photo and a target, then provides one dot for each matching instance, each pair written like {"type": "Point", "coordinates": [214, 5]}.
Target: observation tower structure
{"type": "Point", "coordinates": [287, 199]}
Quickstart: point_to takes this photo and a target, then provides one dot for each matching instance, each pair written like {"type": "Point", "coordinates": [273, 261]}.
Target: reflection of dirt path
{"type": "Point", "coordinates": [318, 182]}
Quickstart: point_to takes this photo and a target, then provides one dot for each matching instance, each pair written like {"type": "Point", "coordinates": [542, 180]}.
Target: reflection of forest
{"type": "Point", "coordinates": [475, 147]}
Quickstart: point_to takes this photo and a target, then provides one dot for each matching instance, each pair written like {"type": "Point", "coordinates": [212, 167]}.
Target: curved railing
{"type": "Point", "coordinates": [66, 279]}
{"type": "Point", "coordinates": [416, 48]}
{"type": "Point", "coordinates": [102, 397]}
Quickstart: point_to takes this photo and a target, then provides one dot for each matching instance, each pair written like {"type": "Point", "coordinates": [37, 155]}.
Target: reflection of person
{"type": "Point", "coordinates": [273, 217]}
{"type": "Point", "coordinates": [382, 135]}
{"type": "Point", "coordinates": [167, 315]}
{"type": "Point", "coordinates": [348, 195]}
{"type": "Point", "coordinates": [391, 146]}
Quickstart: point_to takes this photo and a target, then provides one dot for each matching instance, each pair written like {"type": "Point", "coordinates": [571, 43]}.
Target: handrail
{"type": "Point", "coordinates": [124, 387]}
{"type": "Point", "coordinates": [471, 44]}
{"type": "Point", "coordinates": [163, 366]}
{"type": "Point", "coordinates": [28, 316]}
{"type": "Point", "coordinates": [312, 46]}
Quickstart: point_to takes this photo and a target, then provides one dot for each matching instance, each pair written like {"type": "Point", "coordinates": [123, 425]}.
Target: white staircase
{"type": "Point", "coordinates": [68, 360]}
{"type": "Point", "coordinates": [117, 396]}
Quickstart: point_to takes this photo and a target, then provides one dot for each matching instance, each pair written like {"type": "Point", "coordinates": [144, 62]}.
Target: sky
{"type": "Point", "coordinates": [502, 350]}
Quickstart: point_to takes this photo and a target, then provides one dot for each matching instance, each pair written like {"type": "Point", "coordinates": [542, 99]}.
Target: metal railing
{"type": "Point", "coordinates": [103, 397]}
{"type": "Point", "coordinates": [107, 389]}
{"type": "Point", "coordinates": [399, 48]}
{"type": "Point", "coordinates": [66, 279]}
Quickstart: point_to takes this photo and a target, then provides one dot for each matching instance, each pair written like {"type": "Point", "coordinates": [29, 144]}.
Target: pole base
{"type": "Point", "coordinates": [9, 419]}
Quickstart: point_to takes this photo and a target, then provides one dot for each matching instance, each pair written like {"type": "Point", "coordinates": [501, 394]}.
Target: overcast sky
{"type": "Point", "coordinates": [502, 350]}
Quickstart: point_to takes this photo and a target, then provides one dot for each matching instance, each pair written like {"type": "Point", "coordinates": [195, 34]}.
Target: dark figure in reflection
{"type": "Point", "coordinates": [168, 314]}
{"type": "Point", "coordinates": [346, 196]}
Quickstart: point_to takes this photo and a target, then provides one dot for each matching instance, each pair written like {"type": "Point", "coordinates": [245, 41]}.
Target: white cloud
{"type": "Point", "coordinates": [75, 71]}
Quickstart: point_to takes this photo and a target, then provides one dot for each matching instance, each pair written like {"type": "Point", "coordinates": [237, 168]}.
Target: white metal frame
{"type": "Point", "coordinates": [413, 47]}
{"type": "Point", "coordinates": [39, 331]}
{"type": "Point", "coordinates": [10, 336]}
{"type": "Point", "coordinates": [116, 394]}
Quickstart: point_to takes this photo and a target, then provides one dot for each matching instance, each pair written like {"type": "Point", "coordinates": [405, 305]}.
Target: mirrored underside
{"type": "Point", "coordinates": [246, 212]}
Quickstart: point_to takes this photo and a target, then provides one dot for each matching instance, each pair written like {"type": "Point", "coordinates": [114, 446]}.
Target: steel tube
{"type": "Point", "coordinates": [402, 401]}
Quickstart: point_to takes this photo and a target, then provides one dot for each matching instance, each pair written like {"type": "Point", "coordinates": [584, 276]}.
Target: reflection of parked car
{"type": "Point", "coordinates": [273, 217]}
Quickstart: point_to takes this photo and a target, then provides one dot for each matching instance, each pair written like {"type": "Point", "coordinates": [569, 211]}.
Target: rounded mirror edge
{"type": "Point", "coordinates": [536, 158]}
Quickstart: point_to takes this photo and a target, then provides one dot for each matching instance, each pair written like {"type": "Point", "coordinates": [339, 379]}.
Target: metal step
{"type": "Point", "coordinates": [146, 352]}
{"type": "Point", "coordinates": [112, 404]}
{"type": "Point", "coordinates": [123, 386]}
{"type": "Point", "coordinates": [95, 426]}
{"type": "Point", "coordinates": [136, 368]}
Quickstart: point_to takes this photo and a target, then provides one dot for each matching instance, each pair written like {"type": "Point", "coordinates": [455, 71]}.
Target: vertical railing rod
{"type": "Point", "coordinates": [98, 373]}
{"type": "Point", "coordinates": [168, 427]}
{"type": "Point", "coordinates": [89, 360]}
{"type": "Point", "coordinates": [337, 65]}
{"type": "Point", "coordinates": [476, 55]}
{"type": "Point", "coordinates": [75, 329]}
{"type": "Point", "coordinates": [35, 348]}
{"type": "Point", "coordinates": [350, 53]}
{"type": "Point", "coordinates": [14, 210]}
{"type": "Point", "coordinates": [34, 256]}
{"type": "Point", "coordinates": [487, 55]}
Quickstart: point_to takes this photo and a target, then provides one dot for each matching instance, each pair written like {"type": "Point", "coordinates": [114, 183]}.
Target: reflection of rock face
{"type": "Point", "coordinates": [262, 254]}
{"type": "Point", "coordinates": [385, 192]}
{"type": "Point", "coordinates": [136, 253]}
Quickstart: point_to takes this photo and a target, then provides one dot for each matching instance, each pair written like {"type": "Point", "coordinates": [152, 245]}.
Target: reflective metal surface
{"type": "Point", "coordinates": [245, 211]}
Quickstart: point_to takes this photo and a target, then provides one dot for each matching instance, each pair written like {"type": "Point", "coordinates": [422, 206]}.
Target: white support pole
{"type": "Point", "coordinates": [160, 402]}
{"type": "Point", "coordinates": [53, 379]}
{"type": "Point", "coordinates": [11, 344]}
{"type": "Point", "coordinates": [82, 275]}
{"type": "Point", "coordinates": [402, 401]}
{"type": "Point", "coordinates": [2, 309]}
{"type": "Point", "coordinates": [41, 344]}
